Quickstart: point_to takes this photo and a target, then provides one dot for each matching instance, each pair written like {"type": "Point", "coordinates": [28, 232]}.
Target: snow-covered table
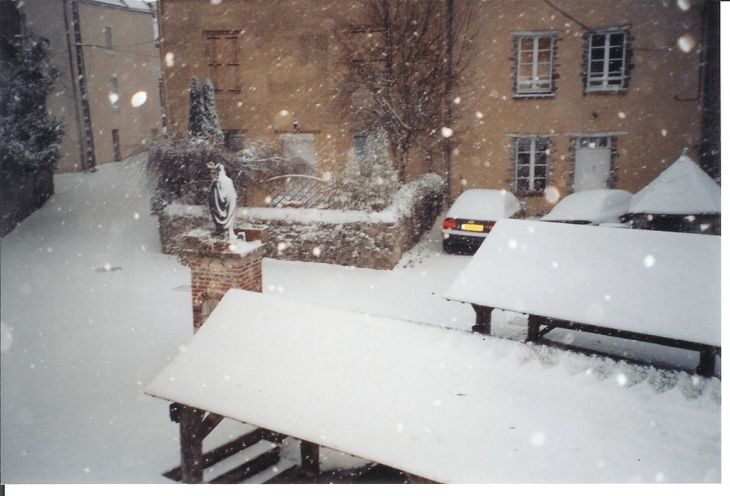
{"type": "Point", "coordinates": [643, 285]}
{"type": "Point", "coordinates": [443, 404]}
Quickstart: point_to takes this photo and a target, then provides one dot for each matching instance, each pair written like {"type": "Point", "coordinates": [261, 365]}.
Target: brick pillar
{"type": "Point", "coordinates": [216, 267]}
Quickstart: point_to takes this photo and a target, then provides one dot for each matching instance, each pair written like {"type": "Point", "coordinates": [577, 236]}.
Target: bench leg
{"type": "Point", "coordinates": [484, 319]}
{"type": "Point", "coordinates": [191, 445]}
{"type": "Point", "coordinates": [310, 459]}
{"type": "Point", "coordinates": [533, 328]}
{"type": "Point", "coordinates": [706, 368]}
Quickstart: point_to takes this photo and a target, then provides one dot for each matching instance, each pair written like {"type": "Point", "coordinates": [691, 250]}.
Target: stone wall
{"type": "Point", "coordinates": [374, 240]}
{"type": "Point", "coordinates": [21, 195]}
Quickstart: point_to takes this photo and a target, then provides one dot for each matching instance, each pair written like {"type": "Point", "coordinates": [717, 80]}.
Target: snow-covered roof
{"type": "Point", "coordinates": [443, 404]}
{"type": "Point", "coordinates": [595, 206]}
{"type": "Point", "coordinates": [484, 204]}
{"type": "Point", "coordinates": [683, 188]}
{"type": "Point", "coordinates": [126, 4]}
{"type": "Point", "coordinates": [652, 282]}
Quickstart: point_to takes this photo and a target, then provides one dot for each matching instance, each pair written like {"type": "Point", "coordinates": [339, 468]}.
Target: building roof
{"type": "Point", "coordinates": [650, 282]}
{"type": "Point", "coordinates": [682, 189]}
{"type": "Point", "coordinates": [139, 5]}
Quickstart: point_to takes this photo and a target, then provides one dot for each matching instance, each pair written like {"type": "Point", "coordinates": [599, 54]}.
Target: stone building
{"type": "Point", "coordinates": [107, 53]}
{"type": "Point", "coordinates": [563, 95]}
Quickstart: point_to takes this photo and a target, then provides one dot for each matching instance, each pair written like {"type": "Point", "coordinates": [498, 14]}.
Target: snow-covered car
{"type": "Point", "coordinates": [594, 207]}
{"type": "Point", "coordinates": [472, 216]}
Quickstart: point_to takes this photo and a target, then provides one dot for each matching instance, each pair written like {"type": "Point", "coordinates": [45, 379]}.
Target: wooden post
{"type": "Point", "coordinates": [706, 368]}
{"type": "Point", "coordinates": [310, 459]}
{"type": "Point", "coordinates": [191, 445]}
{"type": "Point", "coordinates": [533, 327]}
{"type": "Point", "coordinates": [484, 319]}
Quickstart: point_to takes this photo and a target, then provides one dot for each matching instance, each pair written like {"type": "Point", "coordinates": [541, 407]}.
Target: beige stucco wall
{"type": "Point", "coordinates": [46, 18]}
{"type": "Point", "coordinates": [136, 63]}
{"type": "Point", "coordinates": [656, 124]}
{"type": "Point", "coordinates": [289, 59]}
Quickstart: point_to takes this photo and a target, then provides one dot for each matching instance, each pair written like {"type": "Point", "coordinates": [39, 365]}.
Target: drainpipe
{"type": "Point", "coordinates": [88, 134]}
{"type": "Point", "coordinates": [450, 100]}
{"type": "Point", "coordinates": [74, 93]}
{"type": "Point", "coordinates": [710, 135]}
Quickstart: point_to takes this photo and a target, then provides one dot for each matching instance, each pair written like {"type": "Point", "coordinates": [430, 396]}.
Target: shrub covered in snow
{"type": "Point", "coordinates": [369, 178]}
{"type": "Point", "coordinates": [30, 141]}
{"type": "Point", "coordinates": [179, 161]}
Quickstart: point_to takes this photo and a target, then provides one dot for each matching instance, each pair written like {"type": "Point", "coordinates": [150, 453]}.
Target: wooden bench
{"type": "Point", "coordinates": [649, 286]}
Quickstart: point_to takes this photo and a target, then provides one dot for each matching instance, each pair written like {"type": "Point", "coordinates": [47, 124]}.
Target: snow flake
{"type": "Point", "coordinates": [6, 337]}
{"type": "Point", "coordinates": [399, 428]}
{"type": "Point", "coordinates": [552, 194]}
{"type": "Point", "coordinates": [685, 5]}
{"type": "Point", "coordinates": [537, 439]}
{"type": "Point", "coordinates": [479, 115]}
{"type": "Point", "coordinates": [687, 43]}
{"type": "Point", "coordinates": [622, 379]}
{"type": "Point", "coordinates": [447, 132]}
{"type": "Point", "coordinates": [621, 115]}
{"type": "Point", "coordinates": [664, 132]}
{"type": "Point", "coordinates": [136, 216]}
{"type": "Point", "coordinates": [139, 98]}
{"type": "Point", "coordinates": [316, 251]}
{"type": "Point", "coordinates": [649, 261]}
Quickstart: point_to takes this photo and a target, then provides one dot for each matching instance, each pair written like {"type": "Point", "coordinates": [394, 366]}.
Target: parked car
{"type": "Point", "coordinates": [472, 216]}
{"type": "Point", "coordinates": [594, 207]}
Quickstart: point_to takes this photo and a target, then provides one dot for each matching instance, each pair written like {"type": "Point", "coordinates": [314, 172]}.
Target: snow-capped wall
{"type": "Point", "coordinates": [353, 238]}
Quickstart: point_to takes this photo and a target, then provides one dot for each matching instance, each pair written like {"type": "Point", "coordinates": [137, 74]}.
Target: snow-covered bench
{"type": "Point", "coordinates": [442, 404]}
{"type": "Point", "coordinates": [650, 286]}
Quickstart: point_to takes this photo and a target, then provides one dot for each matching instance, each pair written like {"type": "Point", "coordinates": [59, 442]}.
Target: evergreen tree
{"type": "Point", "coordinates": [30, 141]}
{"type": "Point", "coordinates": [211, 124]}
{"type": "Point", "coordinates": [196, 117]}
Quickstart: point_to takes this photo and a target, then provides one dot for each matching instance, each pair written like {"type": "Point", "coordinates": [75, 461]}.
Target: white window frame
{"type": "Point", "coordinates": [532, 164]}
{"type": "Point", "coordinates": [604, 79]}
{"type": "Point", "coordinates": [534, 85]}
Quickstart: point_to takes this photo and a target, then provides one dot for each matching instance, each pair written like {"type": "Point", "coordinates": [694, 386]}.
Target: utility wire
{"type": "Point", "coordinates": [567, 15]}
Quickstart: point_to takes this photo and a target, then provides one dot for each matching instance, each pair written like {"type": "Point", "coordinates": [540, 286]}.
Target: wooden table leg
{"type": "Point", "coordinates": [191, 445]}
{"type": "Point", "coordinates": [310, 459]}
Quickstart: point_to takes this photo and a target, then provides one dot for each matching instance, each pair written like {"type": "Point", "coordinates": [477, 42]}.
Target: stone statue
{"type": "Point", "coordinates": [222, 201]}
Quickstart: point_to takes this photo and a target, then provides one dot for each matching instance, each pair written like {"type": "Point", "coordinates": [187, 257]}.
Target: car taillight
{"type": "Point", "coordinates": [449, 224]}
{"type": "Point", "coordinates": [489, 226]}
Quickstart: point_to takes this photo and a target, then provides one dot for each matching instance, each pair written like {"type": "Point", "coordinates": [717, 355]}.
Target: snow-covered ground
{"type": "Point", "coordinates": [92, 312]}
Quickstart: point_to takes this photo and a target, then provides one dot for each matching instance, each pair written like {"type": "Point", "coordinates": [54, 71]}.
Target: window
{"type": "Point", "coordinates": [367, 44]}
{"type": "Point", "coordinates": [361, 140]}
{"type": "Point", "coordinates": [108, 39]}
{"type": "Point", "coordinates": [114, 91]}
{"type": "Point", "coordinates": [607, 61]}
{"type": "Point", "coordinates": [221, 54]}
{"type": "Point", "coordinates": [532, 154]}
{"type": "Point", "coordinates": [535, 64]}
